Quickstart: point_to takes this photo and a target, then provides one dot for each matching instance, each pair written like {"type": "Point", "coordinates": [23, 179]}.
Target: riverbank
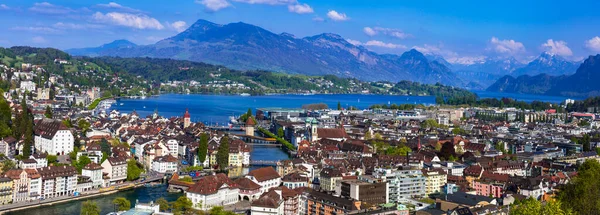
{"type": "Point", "coordinates": [42, 203]}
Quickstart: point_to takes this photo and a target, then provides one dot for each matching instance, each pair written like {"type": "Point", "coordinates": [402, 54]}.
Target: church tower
{"type": "Point", "coordinates": [186, 119]}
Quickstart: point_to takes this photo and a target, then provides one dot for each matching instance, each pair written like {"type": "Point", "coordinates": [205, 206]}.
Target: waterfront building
{"type": "Point", "coordinates": [249, 191]}
{"type": "Point", "coordinates": [115, 168]}
{"type": "Point", "coordinates": [94, 172]}
{"type": "Point", "coordinates": [212, 191]}
{"type": "Point", "coordinates": [269, 203]}
{"type": "Point", "coordinates": [152, 151]}
{"type": "Point", "coordinates": [165, 164]}
{"type": "Point", "coordinates": [58, 181]}
{"type": "Point", "coordinates": [249, 127]}
{"type": "Point", "coordinates": [239, 153]}
{"type": "Point", "coordinates": [6, 189]}
{"type": "Point", "coordinates": [434, 180]}
{"type": "Point", "coordinates": [266, 177]}
{"type": "Point", "coordinates": [26, 184]}
{"type": "Point", "coordinates": [403, 183]}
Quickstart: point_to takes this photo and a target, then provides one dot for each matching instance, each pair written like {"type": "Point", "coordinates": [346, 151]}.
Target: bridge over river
{"type": "Point", "coordinates": [263, 162]}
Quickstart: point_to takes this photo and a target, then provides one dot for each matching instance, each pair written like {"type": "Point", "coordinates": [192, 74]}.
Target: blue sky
{"type": "Point", "coordinates": [461, 31]}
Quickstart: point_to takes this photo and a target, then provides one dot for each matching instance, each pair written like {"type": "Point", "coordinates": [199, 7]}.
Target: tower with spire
{"type": "Point", "coordinates": [186, 119]}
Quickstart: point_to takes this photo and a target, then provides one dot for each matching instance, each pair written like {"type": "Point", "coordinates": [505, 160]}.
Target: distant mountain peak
{"type": "Point", "coordinates": [284, 34]}
{"type": "Point", "coordinates": [122, 43]}
{"type": "Point", "coordinates": [413, 54]}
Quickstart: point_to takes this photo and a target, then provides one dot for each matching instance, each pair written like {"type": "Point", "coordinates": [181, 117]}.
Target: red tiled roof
{"type": "Point", "coordinates": [246, 184]}
{"type": "Point", "coordinates": [264, 174]}
{"type": "Point", "coordinates": [332, 133]}
{"type": "Point", "coordinates": [211, 184]}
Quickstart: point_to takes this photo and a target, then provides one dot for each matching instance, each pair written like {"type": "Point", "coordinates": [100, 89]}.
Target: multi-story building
{"type": "Point", "coordinates": [58, 181]}
{"type": "Point", "coordinates": [165, 164]}
{"type": "Point", "coordinates": [116, 168]}
{"type": "Point", "coordinates": [365, 189]}
{"type": "Point", "coordinates": [329, 178]}
{"type": "Point", "coordinates": [239, 153]}
{"type": "Point", "coordinates": [434, 180]}
{"type": "Point", "coordinates": [318, 203]}
{"type": "Point", "coordinates": [212, 191]}
{"type": "Point", "coordinates": [173, 146]}
{"type": "Point", "coordinates": [8, 146]}
{"type": "Point", "coordinates": [53, 137]}
{"type": "Point", "coordinates": [488, 188]}
{"type": "Point", "coordinates": [154, 150]}
{"type": "Point", "coordinates": [266, 177]}
{"type": "Point", "coordinates": [6, 189]}
{"type": "Point", "coordinates": [94, 172]}
{"type": "Point", "coordinates": [403, 183]}
{"type": "Point", "coordinates": [26, 184]}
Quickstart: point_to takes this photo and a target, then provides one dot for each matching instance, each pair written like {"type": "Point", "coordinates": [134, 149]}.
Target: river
{"type": "Point", "coordinates": [143, 194]}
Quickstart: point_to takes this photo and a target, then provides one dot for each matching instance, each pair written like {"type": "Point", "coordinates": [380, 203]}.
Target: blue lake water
{"type": "Point", "coordinates": [524, 97]}
{"type": "Point", "coordinates": [212, 109]}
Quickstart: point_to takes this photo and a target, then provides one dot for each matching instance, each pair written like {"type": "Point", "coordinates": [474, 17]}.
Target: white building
{"type": "Point", "coordinates": [270, 203]}
{"type": "Point", "coordinates": [173, 146]}
{"type": "Point", "coordinates": [403, 184]}
{"type": "Point", "coordinates": [165, 164]}
{"type": "Point", "coordinates": [27, 86]}
{"type": "Point", "coordinates": [53, 137]}
{"type": "Point", "coordinates": [116, 168]}
{"type": "Point", "coordinates": [266, 177]}
{"type": "Point", "coordinates": [58, 181]}
{"type": "Point", "coordinates": [212, 191]}
{"type": "Point", "coordinates": [94, 172]}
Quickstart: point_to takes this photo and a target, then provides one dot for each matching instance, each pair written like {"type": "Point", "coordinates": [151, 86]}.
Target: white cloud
{"type": "Point", "coordinates": [214, 5]}
{"type": "Point", "coordinates": [300, 8]}
{"type": "Point", "coordinates": [386, 31]}
{"type": "Point", "coordinates": [558, 47]}
{"type": "Point", "coordinates": [38, 39]}
{"type": "Point", "coordinates": [510, 47]}
{"type": "Point", "coordinates": [369, 31]}
{"type": "Point", "coordinates": [593, 44]}
{"type": "Point", "coordinates": [376, 43]}
{"type": "Point", "coordinates": [269, 2]}
{"type": "Point", "coordinates": [128, 20]}
{"type": "Point", "coordinates": [47, 8]}
{"type": "Point", "coordinates": [179, 26]}
{"type": "Point", "coordinates": [466, 60]}
{"type": "Point", "coordinates": [116, 6]}
{"type": "Point", "coordinates": [335, 16]}
{"type": "Point", "coordinates": [4, 7]}
{"type": "Point", "coordinates": [318, 19]}
{"type": "Point", "coordinates": [36, 29]}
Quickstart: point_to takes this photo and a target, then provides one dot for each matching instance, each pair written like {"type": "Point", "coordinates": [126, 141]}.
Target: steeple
{"type": "Point", "coordinates": [186, 118]}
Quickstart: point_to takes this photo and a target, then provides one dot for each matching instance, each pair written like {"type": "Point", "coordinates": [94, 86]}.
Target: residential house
{"type": "Point", "coordinates": [115, 168]}
{"type": "Point", "coordinates": [294, 180]}
{"type": "Point", "coordinates": [6, 189]}
{"type": "Point", "coordinates": [318, 203]}
{"type": "Point", "coordinates": [266, 177]}
{"type": "Point", "coordinates": [26, 184]}
{"type": "Point", "coordinates": [329, 178]}
{"type": "Point", "coordinates": [434, 180]}
{"type": "Point", "coordinates": [165, 164]}
{"type": "Point", "coordinates": [403, 183]}
{"type": "Point", "coordinates": [269, 203]}
{"type": "Point", "coordinates": [94, 172]}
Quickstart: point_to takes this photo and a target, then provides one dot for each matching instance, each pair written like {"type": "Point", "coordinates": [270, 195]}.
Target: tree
{"type": "Point", "coordinates": [81, 162]}
{"type": "Point", "coordinates": [104, 157]}
{"type": "Point", "coordinates": [339, 106]}
{"type": "Point", "coordinates": [105, 147]}
{"type": "Point", "coordinates": [48, 112]}
{"type": "Point", "coordinates": [89, 207]}
{"type": "Point", "coordinates": [398, 150]}
{"type": "Point", "coordinates": [368, 135]}
{"type": "Point", "coordinates": [133, 171]}
{"type": "Point", "coordinates": [122, 203]}
{"type": "Point", "coordinates": [52, 159]}
{"type": "Point", "coordinates": [532, 206]}
{"type": "Point", "coordinates": [447, 150]}
{"type": "Point", "coordinates": [84, 125]}
{"type": "Point", "coordinates": [223, 153]}
{"type": "Point", "coordinates": [203, 148]}
{"type": "Point", "coordinates": [437, 146]}
{"type": "Point", "coordinates": [8, 165]}
{"type": "Point", "coordinates": [582, 195]}
{"type": "Point", "coordinates": [182, 204]}
{"type": "Point", "coordinates": [163, 204]}
{"type": "Point", "coordinates": [28, 141]}
{"type": "Point", "coordinates": [280, 133]}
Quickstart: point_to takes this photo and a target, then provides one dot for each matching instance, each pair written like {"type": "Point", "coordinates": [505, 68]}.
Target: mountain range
{"type": "Point", "coordinates": [581, 84]}
{"type": "Point", "coordinates": [248, 47]}
{"type": "Point", "coordinates": [244, 46]}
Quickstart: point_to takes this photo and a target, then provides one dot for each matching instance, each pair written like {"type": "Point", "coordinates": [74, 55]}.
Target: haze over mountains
{"type": "Point", "coordinates": [248, 47]}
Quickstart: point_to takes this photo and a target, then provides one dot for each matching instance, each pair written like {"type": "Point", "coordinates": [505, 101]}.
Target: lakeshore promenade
{"type": "Point", "coordinates": [84, 195]}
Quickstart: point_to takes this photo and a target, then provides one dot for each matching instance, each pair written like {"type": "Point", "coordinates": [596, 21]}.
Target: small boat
{"type": "Point", "coordinates": [244, 94]}
{"type": "Point", "coordinates": [121, 104]}
{"type": "Point", "coordinates": [144, 107]}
